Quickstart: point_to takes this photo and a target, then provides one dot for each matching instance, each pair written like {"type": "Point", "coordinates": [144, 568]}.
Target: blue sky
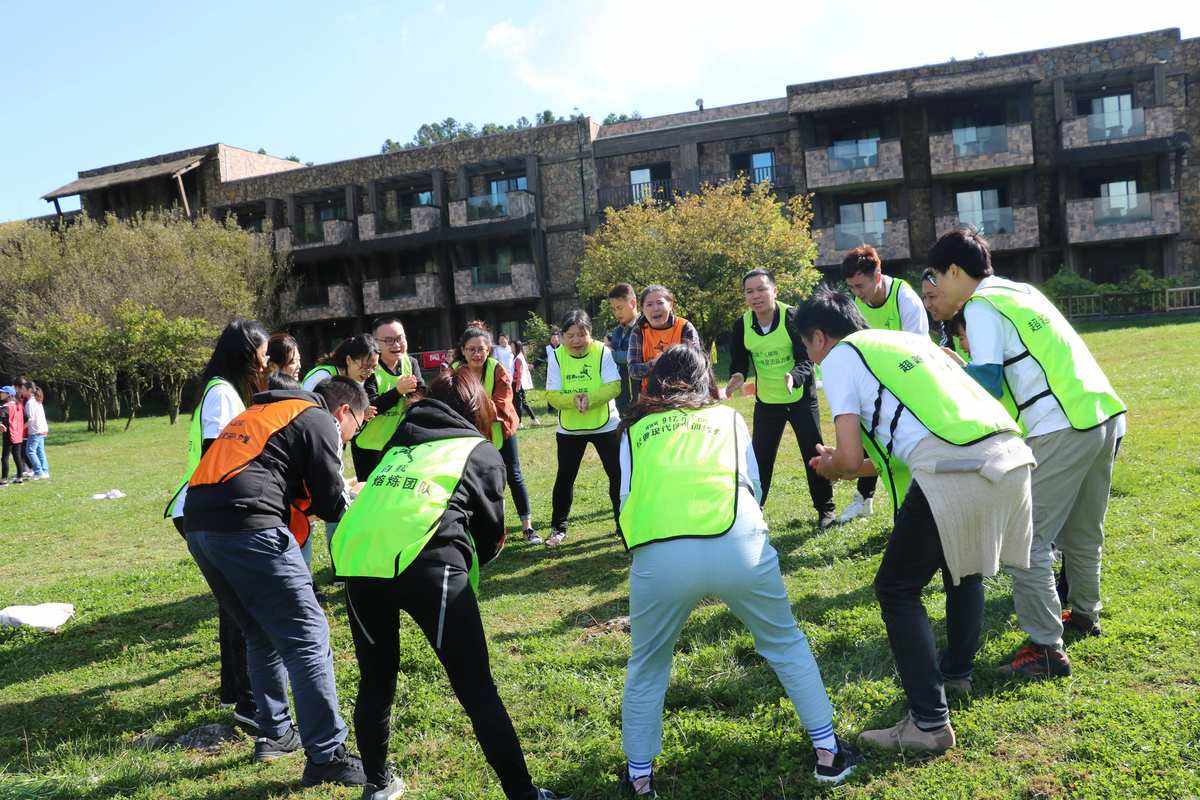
{"type": "Point", "coordinates": [84, 84]}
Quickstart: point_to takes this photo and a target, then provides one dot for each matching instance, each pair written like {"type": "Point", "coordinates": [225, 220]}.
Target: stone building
{"type": "Point", "coordinates": [1075, 155]}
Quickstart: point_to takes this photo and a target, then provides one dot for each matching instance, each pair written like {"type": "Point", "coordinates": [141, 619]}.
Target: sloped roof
{"type": "Point", "coordinates": [131, 175]}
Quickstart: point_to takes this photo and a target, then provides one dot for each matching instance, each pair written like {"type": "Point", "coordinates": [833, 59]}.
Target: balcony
{"type": "Point", "coordinates": [496, 283]}
{"type": "Point", "coordinates": [1004, 228]}
{"type": "Point", "coordinates": [398, 293]}
{"type": "Point", "coordinates": [398, 222]}
{"type": "Point", "coordinates": [1111, 127]}
{"type": "Point", "coordinates": [889, 237]}
{"type": "Point", "coordinates": [486, 208]}
{"type": "Point", "coordinates": [777, 175]}
{"type": "Point", "coordinates": [869, 162]}
{"type": "Point", "coordinates": [312, 303]}
{"type": "Point", "coordinates": [1122, 217]}
{"type": "Point", "coordinates": [630, 193]}
{"type": "Point", "coordinates": [314, 234]}
{"type": "Point", "coordinates": [981, 149]}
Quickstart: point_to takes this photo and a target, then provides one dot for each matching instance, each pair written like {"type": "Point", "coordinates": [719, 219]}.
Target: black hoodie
{"type": "Point", "coordinates": [477, 505]}
{"type": "Point", "coordinates": [307, 452]}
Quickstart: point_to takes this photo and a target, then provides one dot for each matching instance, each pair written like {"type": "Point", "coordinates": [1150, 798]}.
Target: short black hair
{"type": "Point", "coordinates": [758, 272]}
{"type": "Point", "coordinates": [279, 382]}
{"type": "Point", "coordinates": [830, 312]}
{"type": "Point", "coordinates": [387, 319]}
{"type": "Point", "coordinates": [963, 247]}
{"type": "Point", "coordinates": [577, 317]}
{"type": "Point", "coordinates": [622, 291]}
{"type": "Point", "coordinates": [863, 259]}
{"type": "Point", "coordinates": [340, 390]}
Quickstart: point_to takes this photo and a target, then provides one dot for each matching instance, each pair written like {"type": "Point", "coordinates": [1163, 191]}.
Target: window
{"type": "Point", "coordinates": [974, 139]}
{"type": "Point", "coordinates": [517, 183]}
{"type": "Point", "coordinates": [413, 199]}
{"type": "Point", "coordinates": [329, 209]}
{"type": "Point", "coordinates": [650, 181]}
{"type": "Point", "coordinates": [757, 167]}
{"type": "Point", "coordinates": [858, 152]}
{"type": "Point", "coordinates": [860, 223]}
{"type": "Point", "coordinates": [983, 210]}
{"type": "Point", "coordinates": [1120, 202]}
{"type": "Point", "coordinates": [1113, 117]}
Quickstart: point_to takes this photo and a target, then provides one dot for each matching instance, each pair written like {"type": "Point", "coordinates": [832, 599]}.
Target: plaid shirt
{"type": "Point", "coordinates": [638, 368]}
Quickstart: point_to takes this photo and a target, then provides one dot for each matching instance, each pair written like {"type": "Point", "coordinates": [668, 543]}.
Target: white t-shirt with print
{"type": "Point", "coordinates": [912, 311]}
{"type": "Point", "coordinates": [852, 389]}
{"type": "Point", "coordinates": [608, 374]}
{"type": "Point", "coordinates": [221, 404]}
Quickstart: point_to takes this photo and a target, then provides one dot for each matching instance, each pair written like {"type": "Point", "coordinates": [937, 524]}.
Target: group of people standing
{"type": "Point", "coordinates": [988, 463]}
{"type": "Point", "coordinates": [23, 431]}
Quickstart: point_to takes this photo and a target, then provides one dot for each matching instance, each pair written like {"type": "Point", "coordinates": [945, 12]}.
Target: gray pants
{"type": "Point", "coordinates": [1070, 497]}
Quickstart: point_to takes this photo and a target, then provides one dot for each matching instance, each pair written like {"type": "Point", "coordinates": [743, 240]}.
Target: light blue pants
{"type": "Point", "coordinates": [666, 581]}
{"type": "Point", "coordinates": [35, 454]}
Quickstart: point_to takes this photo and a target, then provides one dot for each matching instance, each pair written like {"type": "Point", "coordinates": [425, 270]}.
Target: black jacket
{"type": "Point", "coordinates": [389, 399]}
{"type": "Point", "coordinates": [308, 451]}
{"type": "Point", "coordinates": [739, 355]}
{"type": "Point", "coordinates": [477, 505]}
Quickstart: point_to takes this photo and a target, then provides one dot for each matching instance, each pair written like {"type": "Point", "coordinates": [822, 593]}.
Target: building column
{"type": "Point", "coordinates": [689, 167]}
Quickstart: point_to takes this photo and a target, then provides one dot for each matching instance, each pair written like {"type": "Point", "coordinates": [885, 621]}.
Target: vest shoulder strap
{"type": "Point", "coordinates": [244, 439]}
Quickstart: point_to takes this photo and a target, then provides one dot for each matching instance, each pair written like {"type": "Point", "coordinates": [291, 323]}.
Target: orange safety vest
{"type": "Point", "coordinates": [242, 441]}
{"type": "Point", "coordinates": [655, 341]}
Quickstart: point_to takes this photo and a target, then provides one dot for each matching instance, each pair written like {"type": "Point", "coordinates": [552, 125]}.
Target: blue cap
{"type": "Point", "coordinates": [8, 390]}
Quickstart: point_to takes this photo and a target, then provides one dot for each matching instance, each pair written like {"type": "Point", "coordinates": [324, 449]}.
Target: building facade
{"type": "Point", "coordinates": [1072, 156]}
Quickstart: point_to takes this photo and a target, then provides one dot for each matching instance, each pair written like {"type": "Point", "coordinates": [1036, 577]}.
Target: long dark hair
{"type": "Point", "coordinates": [235, 359]}
{"type": "Point", "coordinates": [464, 393]}
{"type": "Point", "coordinates": [681, 378]}
{"type": "Point", "coordinates": [281, 347]}
{"type": "Point", "coordinates": [354, 348]}
{"type": "Point", "coordinates": [474, 329]}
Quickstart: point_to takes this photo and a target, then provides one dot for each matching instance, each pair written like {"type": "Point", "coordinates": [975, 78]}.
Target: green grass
{"type": "Point", "coordinates": [141, 654]}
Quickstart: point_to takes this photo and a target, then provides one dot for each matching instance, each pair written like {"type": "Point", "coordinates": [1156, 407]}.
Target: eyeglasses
{"type": "Point", "coordinates": [930, 276]}
{"type": "Point", "coordinates": [361, 422]}
{"type": "Point", "coordinates": [391, 340]}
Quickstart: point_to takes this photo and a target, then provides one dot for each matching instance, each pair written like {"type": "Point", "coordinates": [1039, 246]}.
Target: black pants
{"type": "Point", "coordinates": [522, 404]}
{"type": "Point", "coordinates": [913, 555]}
{"type": "Point", "coordinates": [438, 597]}
{"type": "Point", "coordinates": [804, 416]}
{"type": "Point", "coordinates": [365, 461]}
{"type": "Point", "coordinates": [570, 456]}
{"type": "Point", "coordinates": [18, 457]}
{"type": "Point", "coordinates": [866, 486]}
{"type": "Point", "coordinates": [629, 390]}
{"type": "Point", "coordinates": [516, 481]}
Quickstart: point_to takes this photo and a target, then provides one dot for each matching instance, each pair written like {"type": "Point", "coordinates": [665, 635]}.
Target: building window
{"type": "Point", "coordinates": [1114, 117]}
{"type": "Point", "coordinates": [858, 152]}
{"type": "Point", "coordinates": [860, 223]}
{"type": "Point", "coordinates": [1120, 202]}
{"type": "Point", "coordinates": [983, 210]}
{"type": "Point", "coordinates": [517, 183]}
{"type": "Point", "coordinates": [650, 181]}
{"type": "Point", "coordinates": [757, 167]}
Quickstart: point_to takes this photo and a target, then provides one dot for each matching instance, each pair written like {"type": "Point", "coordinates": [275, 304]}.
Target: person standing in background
{"type": "Point", "coordinates": [37, 429]}
{"type": "Point", "coordinates": [655, 330]}
{"type": "Point", "coordinates": [623, 302]}
{"type": "Point", "coordinates": [12, 431]}
{"type": "Point", "coordinates": [522, 382]}
{"type": "Point", "coordinates": [283, 356]}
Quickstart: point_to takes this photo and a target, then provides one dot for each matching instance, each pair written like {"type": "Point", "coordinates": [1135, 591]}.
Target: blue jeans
{"type": "Point", "coordinates": [35, 454]}
{"type": "Point", "coordinates": [261, 580]}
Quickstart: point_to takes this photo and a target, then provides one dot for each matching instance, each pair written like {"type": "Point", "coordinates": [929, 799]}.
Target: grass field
{"type": "Point", "coordinates": [141, 653]}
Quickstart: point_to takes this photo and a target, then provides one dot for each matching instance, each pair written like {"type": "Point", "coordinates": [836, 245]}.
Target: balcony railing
{"type": "Point", "coordinates": [776, 175]}
{"type": "Point", "coordinates": [312, 296]}
{"type": "Point", "coordinates": [487, 206]}
{"type": "Point", "coordinates": [852, 164]}
{"type": "Point", "coordinates": [308, 233]}
{"type": "Point", "coordinates": [859, 154]}
{"type": "Point", "coordinates": [496, 283]}
{"type": "Point", "coordinates": [980, 141]}
{"type": "Point", "coordinates": [403, 292]}
{"type": "Point", "coordinates": [889, 237]}
{"type": "Point", "coordinates": [981, 149]}
{"type": "Point", "coordinates": [311, 303]}
{"type": "Point", "coordinates": [849, 235]}
{"type": "Point", "coordinates": [488, 275]}
{"type": "Point", "coordinates": [1005, 228]}
{"type": "Point", "coordinates": [1122, 209]}
{"type": "Point", "coordinates": [1129, 124]}
{"type": "Point", "coordinates": [988, 221]}
{"type": "Point", "coordinates": [1133, 216]}
{"type": "Point", "coordinates": [393, 286]}
{"type": "Point", "coordinates": [630, 193]}
{"type": "Point", "coordinates": [1119, 124]}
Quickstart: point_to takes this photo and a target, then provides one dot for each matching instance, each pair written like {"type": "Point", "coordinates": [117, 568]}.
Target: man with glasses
{"type": "Point", "coordinates": [393, 385]}
{"type": "Point", "coordinates": [285, 449]}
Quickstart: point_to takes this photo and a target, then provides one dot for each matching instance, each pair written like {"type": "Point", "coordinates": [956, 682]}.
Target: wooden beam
{"type": "Point", "coordinates": [183, 195]}
{"type": "Point", "coordinates": [57, 207]}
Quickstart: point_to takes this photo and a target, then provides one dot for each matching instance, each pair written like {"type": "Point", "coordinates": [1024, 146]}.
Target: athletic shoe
{"type": "Point", "coordinates": [556, 538]}
{"type": "Point", "coordinates": [3, 483]}
{"type": "Point", "coordinates": [1082, 624]}
{"type": "Point", "coordinates": [860, 507]}
{"type": "Point", "coordinates": [1038, 661]}
{"type": "Point", "coordinates": [957, 685]}
{"type": "Point", "coordinates": [905, 735]}
{"type": "Point", "coordinates": [17, 480]}
{"type": "Point", "coordinates": [546, 794]}
{"type": "Point", "coordinates": [267, 749]}
{"type": "Point", "coordinates": [642, 787]}
{"type": "Point", "coordinates": [391, 788]}
{"type": "Point", "coordinates": [344, 768]}
{"type": "Point", "coordinates": [27, 473]}
{"type": "Point", "coordinates": [245, 713]}
{"type": "Point", "coordinates": [531, 536]}
{"type": "Point", "coordinates": [826, 520]}
{"type": "Point", "coordinates": [840, 765]}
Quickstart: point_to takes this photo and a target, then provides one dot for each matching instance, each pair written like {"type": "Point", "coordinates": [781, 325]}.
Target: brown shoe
{"type": "Point", "coordinates": [905, 735]}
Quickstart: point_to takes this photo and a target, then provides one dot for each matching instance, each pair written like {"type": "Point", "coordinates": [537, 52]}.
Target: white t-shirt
{"type": "Point", "coordinates": [852, 389]}
{"type": "Point", "coordinates": [36, 414]}
{"type": "Point", "coordinates": [504, 356]}
{"type": "Point", "coordinates": [912, 311]}
{"type": "Point", "coordinates": [221, 404]}
{"type": "Point", "coordinates": [526, 375]}
{"type": "Point", "coordinates": [608, 374]}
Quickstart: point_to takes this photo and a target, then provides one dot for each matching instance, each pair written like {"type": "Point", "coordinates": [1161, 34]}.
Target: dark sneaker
{"type": "Point", "coordinates": [244, 713]}
{"type": "Point", "coordinates": [344, 768]}
{"type": "Point", "coordinates": [267, 749]}
{"type": "Point", "coordinates": [546, 794]}
{"type": "Point", "coordinates": [957, 685]}
{"type": "Point", "coordinates": [390, 789]}
{"type": "Point", "coordinates": [826, 520]}
{"type": "Point", "coordinates": [642, 787]}
{"type": "Point", "coordinates": [840, 765]}
{"type": "Point", "coordinates": [1082, 624]}
{"type": "Point", "coordinates": [1038, 661]}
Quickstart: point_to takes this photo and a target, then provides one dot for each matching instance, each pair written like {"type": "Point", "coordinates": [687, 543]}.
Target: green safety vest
{"type": "Point", "coordinates": [196, 442]}
{"type": "Point", "coordinates": [1074, 378]}
{"type": "Point", "coordinates": [328, 369]}
{"type": "Point", "coordinates": [581, 374]}
{"type": "Point", "coordinates": [887, 316]}
{"type": "Point", "coordinates": [489, 383]}
{"type": "Point", "coordinates": [683, 476]}
{"type": "Point", "coordinates": [931, 387]}
{"type": "Point", "coordinates": [378, 432]}
{"type": "Point", "coordinates": [773, 358]}
{"type": "Point", "coordinates": [1006, 395]}
{"type": "Point", "coordinates": [399, 509]}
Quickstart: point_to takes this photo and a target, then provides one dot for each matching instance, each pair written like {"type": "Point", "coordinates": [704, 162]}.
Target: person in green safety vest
{"type": "Point", "coordinates": [356, 358]}
{"type": "Point", "coordinates": [1074, 421]}
{"type": "Point", "coordinates": [235, 372]}
{"type": "Point", "coordinates": [582, 383]}
{"type": "Point", "coordinates": [958, 472]}
{"type": "Point", "coordinates": [429, 515]}
{"type": "Point", "coordinates": [474, 352]}
{"type": "Point", "coordinates": [690, 514]}
{"type": "Point", "coordinates": [886, 303]}
{"type": "Point", "coordinates": [395, 382]}
{"type": "Point", "coordinates": [766, 338]}
{"type": "Point", "coordinates": [939, 328]}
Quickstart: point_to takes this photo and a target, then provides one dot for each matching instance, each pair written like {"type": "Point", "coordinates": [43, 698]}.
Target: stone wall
{"type": "Point", "coordinates": [1023, 236]}
{"type": "Point", "coordinates": [889, 167]}
{"type": "Point", "coordinates": [614, 170]}
{"type": "Point", "coordinates": [525, 286]}
{"type": "Point", "coordinates": [563, 253]}
{"type": "Point", "coordinates": [895, 245]}
{"type": "Point", "coordinates": [773, 106]}
{"type": "Point", "coordinates": [714, 156]}
{"type": "Point", "coordinates": [944, 160]}
{"type": "Point", "coordinates": [1160, 123]}
{"type": "Point", "coordinates": [236, 163]}
{"type": "Point", "coordinates": [341, 304]}
{"type": "Point", "coordinates": [424, 218]}
{"type": "Point", "coordinates": [562, 201]}
{"type": "Point", "coordinates": [1164, 221]}
{"type": "Point", "coordinates": [520, 205]}
{"type": "Point", "coordinates": [430, 294]}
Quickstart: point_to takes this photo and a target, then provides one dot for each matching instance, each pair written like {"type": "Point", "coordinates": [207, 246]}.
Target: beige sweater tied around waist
{"type": "Point", "coordinates": [980, 499]}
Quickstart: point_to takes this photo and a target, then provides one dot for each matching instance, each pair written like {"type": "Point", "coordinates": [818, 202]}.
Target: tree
{"type": "Point", "coordinates": [700, 245]}
{"type": "Point", "coordinates": [450, 129]}
{"type": "Point", "coordinates": [614, 118]}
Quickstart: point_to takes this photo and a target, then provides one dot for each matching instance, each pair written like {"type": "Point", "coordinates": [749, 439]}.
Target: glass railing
{"type": "Point", "coordinates": [391, 220]}
{"type": "Point", "coordinates": [849, 235]}
{"type": "Point", "coordinates": [487, 206]}
{"type": "Point", "coordinates": [849, 155]}
{"type": "Point", "coordinates": [1119, 124]}
{"type": "Point", "coordinates": [397, 286]}
{"type": "Point", "coordinates": [312, 296]}
{"type": "Point", "coordinates": [1122, 208]}
{"type": "Point", "coordinates": [980, 140]}
{"type": "Point", "coordinates": [988, 221]}
{"type": "Point", "coordinates": [308, 232]}
{"type": "Point", "coordinates": [491, 275]}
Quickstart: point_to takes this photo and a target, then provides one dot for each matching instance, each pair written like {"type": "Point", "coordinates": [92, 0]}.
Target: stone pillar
{"type": "Point", "coordinates": [352, 208]}
{"type": "Point", "coordinates": [1060, 102]}
{"type": "Point", "coordinates": [462, 184]}
{"type": "Point", "coordinates": [1163, 162]}
{"type": "Point", "coordinates": [437, 177]}
{"type": "Point", "coordinates": [1170, 257]}
{"type": "Point", "coordinates": [689, 167]}
{"type": "Point", "coordinates": [937, 201]}
{"type": "Point", "coordinates": [272, 212]}
{"type": "Point", "coordinates": [1160, 84]}
{"type": "Point", "coordinates": [373, 195]}
{"type": "Point", "coordinates": [293, 211]}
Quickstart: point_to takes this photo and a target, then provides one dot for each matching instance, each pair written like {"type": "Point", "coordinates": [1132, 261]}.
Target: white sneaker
{"type": "Point", "coordinates": [861, 507]}
{"type": "Point", "coordinates": [556, 538]}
